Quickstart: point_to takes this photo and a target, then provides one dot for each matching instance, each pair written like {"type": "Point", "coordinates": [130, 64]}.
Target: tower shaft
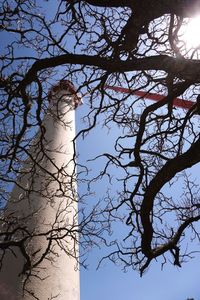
{"type": "Point", "coordinates": [43, 211]}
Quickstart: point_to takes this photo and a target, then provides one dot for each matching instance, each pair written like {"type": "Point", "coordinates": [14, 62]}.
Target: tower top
{"type": "Point", "coordinates": [67, 87]}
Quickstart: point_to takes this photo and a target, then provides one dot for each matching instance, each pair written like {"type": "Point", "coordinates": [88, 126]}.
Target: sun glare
{"type": "Point", "coordinates": [191, 33]}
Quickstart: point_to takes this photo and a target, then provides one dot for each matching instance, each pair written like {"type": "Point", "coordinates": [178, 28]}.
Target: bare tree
{"type": "Point", "coordinates": [134, 44]}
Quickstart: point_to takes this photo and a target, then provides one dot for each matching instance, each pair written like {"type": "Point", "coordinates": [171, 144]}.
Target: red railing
{"type": "Point", "coordinates": [178, 102]}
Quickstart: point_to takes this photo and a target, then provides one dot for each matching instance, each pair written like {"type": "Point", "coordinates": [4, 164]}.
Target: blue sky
{"type": "Point", "coordinates": [109, 281]}
{"type": "Point", "coordinates": [170, 284]}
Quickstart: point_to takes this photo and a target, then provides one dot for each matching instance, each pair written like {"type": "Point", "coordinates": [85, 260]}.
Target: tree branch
{"type": "Point", "coordinates": [170, 169]}
{"type": "Point", "coordinates": [182, 68]}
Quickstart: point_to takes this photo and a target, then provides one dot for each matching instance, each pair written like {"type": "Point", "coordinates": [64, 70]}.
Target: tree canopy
{"type": "Point", "coordinates": [135, 44]}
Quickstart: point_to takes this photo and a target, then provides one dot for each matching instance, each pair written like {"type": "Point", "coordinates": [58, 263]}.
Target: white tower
{"type": "Point", "coordinates": [41, 263]}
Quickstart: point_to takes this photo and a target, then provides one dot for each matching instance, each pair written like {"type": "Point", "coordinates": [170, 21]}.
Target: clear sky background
{"type": "Point", "coordinates": [170, 284]}
{"type": "Point", "coordinates": [109, 281]}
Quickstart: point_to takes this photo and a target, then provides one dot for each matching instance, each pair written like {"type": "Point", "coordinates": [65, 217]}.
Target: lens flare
{"type": "Point", "coordinates": [191, 33]}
